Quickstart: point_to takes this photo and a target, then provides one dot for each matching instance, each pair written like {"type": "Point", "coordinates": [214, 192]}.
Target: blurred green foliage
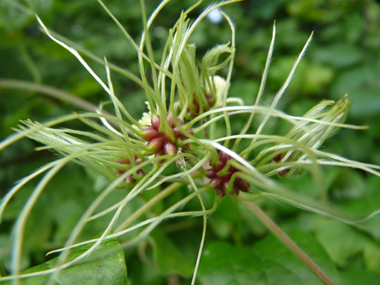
{"type": "Point", "coordinates": [343, 58]}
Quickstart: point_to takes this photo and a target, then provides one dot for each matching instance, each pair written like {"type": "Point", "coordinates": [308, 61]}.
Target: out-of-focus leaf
{"type": "Point", "coordinates": [338, 55]}
{"type": "Point", "coordinates": [372, 256]}
{"type": "Point", "coordinates": [358, 277]}
{"type": "Point", "coordinates": [223, 219]}
{"type": "Point", "coordinates": [323, 11]}
{"type": "Point", "coordinates": [223, 263]}
{"type": "Point", "coordinates": [140, 273]}
{"type": "Point", "coordinates": [362, 88]}
{"type": "Point", "coordinates": [169, 257]}
{"type": "Point", "coordinates": [41, 7]}
{"type": "Point", "coordinates": [340, 240]}
{"type": "Point", "coordinates": [364, 204]}
{"type": "Point", "coordinates": [13, 16]}
{"type": "Point", "coordinates": [316, 77]}
{"type": "Point", "coordinates": [267, 262]}
{"type": "Point", "coordinates": [104, 266]}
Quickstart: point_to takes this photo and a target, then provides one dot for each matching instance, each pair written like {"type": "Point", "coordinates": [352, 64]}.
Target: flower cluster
{"type": "Point", "coordinates": [194, 109]}
{"type": "Point", "coordinates": [127, 165]}
{"type": "Point", "coordinates": [161, 141]}
{"type": "Point", "coordinates": [224, 177]}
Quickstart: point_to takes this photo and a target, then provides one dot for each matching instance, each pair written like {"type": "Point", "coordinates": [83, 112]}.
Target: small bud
{"type": "Point", "coordinates": [177, 132]}
{"type": "Point", "coordinates": [186, 146]}
{"type": "Point", "coordinates": [233, 169]}
{"type": "Point", "coordinates": [155, 145]}
{"type": "Point", "coordinates": [130, 180]}
{"type": "Point", "coordinates": [219, 166]}
{"type": "Point", "coordinates": [140, 174]}
{"type": "Point", "coordinates": [210, 100]}
{"type": "Point", "coordinates": [138, 160]}
{"type": "Point", "coordinates": [282, 173]}
{"type": "Point", "coordinates": [220, 192]}
{"type": "Point", "coordinates": [242, 185]}
{"type": "Point", "coordinates": [211, 173]}
{"type": "Point", "coordinates": [225, 185]}
{"type": "Point", "coordinates": [224, 157]}
{"type": "Point", "coordinates": [235, 190]}
{"type": "Point", "coordinates": [278, 157]}
{"type": "Point", "coordinates": [190, 114]}
{"type": "Point", "coordinates": [168, 138]}
{"type": "Point", "coordinates": [169, 117]}
{"type": "Point", "coordinates": [170, 148]}
{"type": "Point", "coordinates": [225, 175]}
{"type": "Point", "coordinates": [179, 121]}
{"type": "Point", "coordinates": [193, 110]}
{"type": "Point", "coordinates": [216, 183]}
{"type": "Point", "coordinates": [208, 96]}
{"type": "Point", "coordinates": [195, 102]}
{"type": "Point", "coordinates": [159, 154]}
{"type": "Point", "coordinates": [123, 160]}
{"type": "Point", "coordinates": [156, 122]}
{"type": "Point", "coordinates": [148, 133]}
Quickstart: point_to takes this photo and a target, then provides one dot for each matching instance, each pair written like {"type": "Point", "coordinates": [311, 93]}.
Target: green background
{"type": "Point", "coordinates": [344, 57]}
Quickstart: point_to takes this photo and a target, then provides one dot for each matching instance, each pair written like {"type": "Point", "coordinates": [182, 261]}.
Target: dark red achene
{"type": "Point", "coordinates": [161, 141]}
{"type": "Point", "coordinates": [131, 179]}
{"type": "Point", "coordinates": [278, 158]}
{"type": "Point", "coordinates": [194, 110]}
{"type": "Point", "coordinates": [221, 177]}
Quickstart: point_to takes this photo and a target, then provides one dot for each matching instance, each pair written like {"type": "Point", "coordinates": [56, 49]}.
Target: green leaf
{"type": "Point", "coordinates": [372, 256]}
{"type": "Point", "coordinates": [223, 263]}
{"type": "Point", "coordinates": [104, 266]}
{"type": "Point", "coordinates": [358, 277]}
{"type": "Point", "coordinates": [361, 85]}
{"type": "Point", "coordinates": [340, 240]}
{"type": "Point", "coordinates": [267, 262]}
{"type": "Point", "coordinates": [225, 218]}
{"type": "Point", "coordinates": [168, 256]}
{"type": "Point", "coordinates": [338, 55]}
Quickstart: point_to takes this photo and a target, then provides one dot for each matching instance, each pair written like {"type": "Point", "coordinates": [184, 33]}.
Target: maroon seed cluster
{"type": "Point", "coordinates": [159, 141]}
{"type": "Point", "coordinates": [220, 179]}
{"type": "Point", "coordinates": [131, 179]}
{"type": "Point", "coordinates": [277, 159]}
{"type": "Point", "coordinates": [193, 111]}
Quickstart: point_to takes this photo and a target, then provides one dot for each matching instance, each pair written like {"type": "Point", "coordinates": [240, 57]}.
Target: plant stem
{"type": "Point", "coordinates": [289, 243]}
{"type": "Point", "coordinates": [50, 91]}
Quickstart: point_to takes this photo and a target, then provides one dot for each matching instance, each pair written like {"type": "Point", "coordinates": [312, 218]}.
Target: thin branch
{"type": "Point", "coordinates": [50, 91]}
{"type": "Point", "coordinates": [289, 243]}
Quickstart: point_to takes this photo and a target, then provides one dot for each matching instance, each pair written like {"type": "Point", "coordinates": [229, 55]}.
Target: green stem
{"type": "Point", "coordinates": [289, 243]}
{"type": "Point", "coordinates": [167, 191]}
{"type": "Point", "coordinates": [31, 66]}
{"type": "Point", "coordinates": [50, 91]}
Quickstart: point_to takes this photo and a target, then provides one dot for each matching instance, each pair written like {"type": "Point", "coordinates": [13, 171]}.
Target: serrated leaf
{"type": "Point", "coordinates": [268, 262]}
{"type": "Point", "coordinates": [105, 266]}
